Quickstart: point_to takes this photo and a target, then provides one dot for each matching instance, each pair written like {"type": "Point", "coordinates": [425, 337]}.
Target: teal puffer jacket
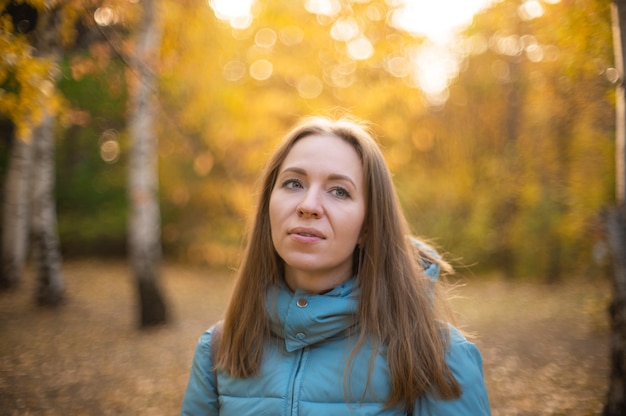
{"type": "Point", "coordinates": [303, 369]}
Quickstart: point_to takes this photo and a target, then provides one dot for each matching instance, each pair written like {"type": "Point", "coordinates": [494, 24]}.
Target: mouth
{"type": "Point", "coordinates": [307, 233]}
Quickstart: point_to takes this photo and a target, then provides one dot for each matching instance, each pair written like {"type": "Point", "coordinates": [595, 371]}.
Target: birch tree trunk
{"type": "Point", "coordinates": [45, 239]}
{"type": "Point", "coordinates": [144, 219]}
{"type": "Point", "coordinates": [29, 194]}
{"type": "Point", "coordinates": [16, 212]}
{"type": "Point", "coordinates": [615, 223]}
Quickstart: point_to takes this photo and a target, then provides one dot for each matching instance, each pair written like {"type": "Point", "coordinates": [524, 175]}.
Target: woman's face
{"type": "Point", "coordinates": [317, 209]}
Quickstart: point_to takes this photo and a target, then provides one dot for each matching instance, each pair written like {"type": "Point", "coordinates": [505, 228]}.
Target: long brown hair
{"type": "Point", "coordinates": [395, 304]}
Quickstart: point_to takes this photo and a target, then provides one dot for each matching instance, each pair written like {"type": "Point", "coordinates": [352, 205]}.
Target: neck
{"type": "Point", "coordinates": [314, 283]}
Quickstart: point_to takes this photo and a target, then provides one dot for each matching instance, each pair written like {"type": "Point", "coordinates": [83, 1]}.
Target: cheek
{"type": "Point", "coordinates": [358, 228]}
{"type": "Point", "coordinates": [347, 228]}
{"type": "Point", "coordinates": [358, 231]}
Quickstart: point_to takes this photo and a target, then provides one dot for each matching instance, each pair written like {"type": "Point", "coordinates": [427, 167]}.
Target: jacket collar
{"type": "Point", "coordinates": [304, 319]}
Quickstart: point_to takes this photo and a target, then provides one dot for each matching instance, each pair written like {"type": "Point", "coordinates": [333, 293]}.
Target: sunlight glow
{"type": "Point", "coordinates": [323, 7]}
{"type": "Point", "coordinates": [436, 62]}
{"type": "Point", "coordinates": [429, 66]}
{"type": "Point", "coordinates": [436, 20]}
{"type": "Point", "coordinates": [237, 12]}
{"type": "Point", "coordinates": [530, 9]}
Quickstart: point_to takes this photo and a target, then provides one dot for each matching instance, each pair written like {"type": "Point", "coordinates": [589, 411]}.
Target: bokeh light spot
{"type": "Point", "coordinates": [534, 53]}
{"type": "Point", "coordinates": [373, 13]}
{"type": "Point", "coordinates": [323, 7]}
{"type": "Point", "coordinates": [310, 87]}
{"type": "Point", "coordinates": [203, 163]}
{"type": "Point", "coordinates": [109, 146]}
{"type": "Point", "coordinates": [530, 9]}
{"type": "Point", "coordinates": [507, 45]}
{"type": "Point", "coordinates": [398, 66]}
{"type": "Point", "coordinates": [265, 38]}
{"type": "Point", "coordinates": [612, 75]}
{"type": "Point", "coordinates": [261, 69]}
{"type": "Point", "coordinates": [342, 75]}
{"type": "Point", "coordinates": [105, 16]}
{"type": "Point", "coordinates": [344, 29]}
{"type": "Point", "coordinates": [360, 48]}
{"type": "Point", "coordinates": [234, 70]}
{"type": "Point", "coordinates": [291, 35]}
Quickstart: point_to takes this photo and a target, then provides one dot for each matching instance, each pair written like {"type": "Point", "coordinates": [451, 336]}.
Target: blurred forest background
{"type": "Point", "coordinates": [497, 119]}
{"type": "Point", "coordinates": [501, 138]}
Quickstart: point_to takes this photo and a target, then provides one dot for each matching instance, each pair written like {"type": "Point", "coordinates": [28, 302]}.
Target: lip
{"type": "Point", "coordinates": [306, 234]}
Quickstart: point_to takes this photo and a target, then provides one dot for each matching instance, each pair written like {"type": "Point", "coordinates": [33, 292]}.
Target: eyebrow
{"type": "Point", "coordinates": [332, 176]}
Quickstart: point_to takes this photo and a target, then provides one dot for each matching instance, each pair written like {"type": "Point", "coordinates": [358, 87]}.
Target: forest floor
{"type": "Point", "coordinates": [545, 347]}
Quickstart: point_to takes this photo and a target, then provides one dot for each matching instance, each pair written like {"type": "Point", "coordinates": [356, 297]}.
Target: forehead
{"type": "Point", "coordinates": [327, 147]}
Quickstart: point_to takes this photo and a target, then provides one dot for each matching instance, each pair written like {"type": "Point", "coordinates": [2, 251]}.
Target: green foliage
{"type": "Point", "coordinates": [91, 193]}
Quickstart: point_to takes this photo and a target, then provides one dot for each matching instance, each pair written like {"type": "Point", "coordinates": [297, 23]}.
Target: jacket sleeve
{"type": "Point", "coordinates": [201, 396]}
{"type": "Point", "coordinates": [466, 364]}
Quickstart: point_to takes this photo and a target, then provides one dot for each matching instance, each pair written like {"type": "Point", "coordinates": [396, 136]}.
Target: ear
{"type": "Point", "coordinates": [361, 240]}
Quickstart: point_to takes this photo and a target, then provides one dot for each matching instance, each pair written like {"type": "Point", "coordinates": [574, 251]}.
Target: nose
{"type": "Point", "coordinates": [310, 206]}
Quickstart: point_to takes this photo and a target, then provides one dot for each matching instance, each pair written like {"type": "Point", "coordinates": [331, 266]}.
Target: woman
{"type": "Point", "coordinates": [332, 312]}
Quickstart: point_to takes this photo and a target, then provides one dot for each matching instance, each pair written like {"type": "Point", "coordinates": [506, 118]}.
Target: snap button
{"type": "Point", "coordinates": [300, 335]}
{"type": "Point", "coordinates": [302, 303]}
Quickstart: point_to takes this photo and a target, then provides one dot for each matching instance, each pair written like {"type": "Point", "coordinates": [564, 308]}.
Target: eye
{"type": "Point", "coordinates": [292, 184]}
{"type": "Point", "coordinates": [340, 192]}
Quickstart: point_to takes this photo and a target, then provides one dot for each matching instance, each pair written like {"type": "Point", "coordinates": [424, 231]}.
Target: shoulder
{"type": "Point", "coordinates": [466, 363]}
{"type": "Point", "coordinates": [456, 336]}
{"type": "Point", "coordinates": [201, 393]}
{"type": "Point", "coordinates": [463, 354]}
{"type": "Point", "coordinates": [209, 340]}
{"type": "Point", "coordinates": [206, 350]}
